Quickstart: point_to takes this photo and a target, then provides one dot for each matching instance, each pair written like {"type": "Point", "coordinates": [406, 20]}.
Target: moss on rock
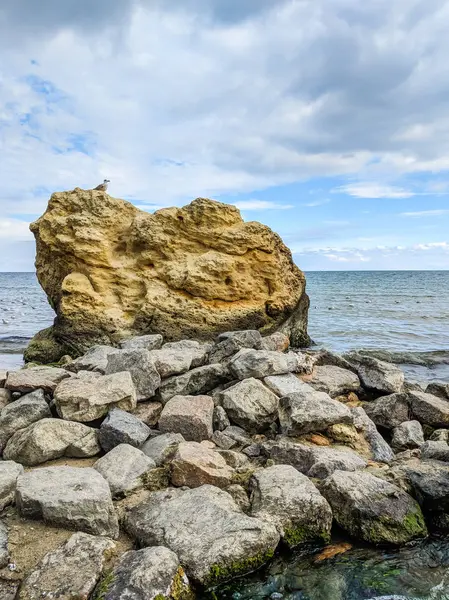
{"type": "Point", "coordinates": [219, 573]}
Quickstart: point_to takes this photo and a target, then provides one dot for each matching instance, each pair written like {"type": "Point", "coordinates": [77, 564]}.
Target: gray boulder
{"type": "Point", "coordinates": [199, 351]}
{"type": "Point", "coordinates": [69, 497]}
{"type": "Point", "coordinates": [283, 385]}
{"type": "Point", "coordinates": [143, 342]}
{"type": "Point", "coordinates": [308, 411]}
{"type": "Point", "coordinates": [170, 361]}
{"type": "Point", "coordinates": [195, 465]}
{"type": "Point", "coordinates": [4, 553]}
{"type": "Point", "coordinates": [376, 374]}
{"type": "Point", "coordinates": [213, 539]}
{"type": "Point", "coordinates": [3, 376]}
{"type": "Point", "coordinates": [284, 451]}
{"type": "Point", "coordinates": [251, 405]}
{"type": "Point", "coordinates": [124, 468]}
{"type": "Point", "coordinates": [247, 338]}
{"type": "Point", "coordinates": [9, 473]}
{"type": "Point", "coordinates": [70, 571]}
{"type": "Point", "coordinates": [429, 481]}
{"type": "Point", "coordinates": [334, 380]}
{"type": "Point", "coordinates": [95, 359]}
{"type": "Point", "coordinates": [197, 381]}
{"type": "Point", "coordinates": [148, 412]}
{"type": "Point", "coordinates": [49, 439]}
{"type": "Point", "coordinates": [372, 509]}
{"type": "Point", "coordinates": [440, 435]}
{"type": "Point", "coordinates": [162, 448]}
{"type": "Point", "coordinates": [229, 346]}
{"type": "Point", "coordinates": [438, 389]}
{"type": "Point", "coordinates": [22, 413]}
{"type": "Point", "coordinates": [325, 461]}
{"type": "Point", "coordinates": [429, 410]}
{"type": "Point", "coordinates": [223, 441]}
{"type": "Point", "coordinates": [121, 427]}
{"type": "Point", "coordinates": [284, 497]}
{"type": "Point", "coordinates": [220, 420]}
{"type": "Point", "coordinates": [261, 363]}
{"type": "Point", "coordinates": [407, 435]}
{"type": "Point", "coordinates": [435, 451]}
{"type": "Point", "coordinates": [191, 416]}
{"type": "Point", "coordinates": [35, 378]}
{"type": "Point", "coordinates": [381, 451]}
{"type": "Point", "coordinates": [148, 574]}
{"type": "Point", "coordinates": [77, 399]}
{"type": "Point", "coordinates": [277, 342]}
{"type": "Point", "coordinates": [5, 398]}
{"type": "Point", "coordinates": [142, 367]}
{"type": "Point", "coordinates": [389, 411]}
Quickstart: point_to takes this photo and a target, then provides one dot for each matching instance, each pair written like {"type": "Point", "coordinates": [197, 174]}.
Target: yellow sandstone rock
{"type": "Point", "coordinates": [112, 271]}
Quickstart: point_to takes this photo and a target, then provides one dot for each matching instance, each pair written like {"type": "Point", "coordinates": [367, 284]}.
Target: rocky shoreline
{"type": "Point", "coordinates": [157, 469]}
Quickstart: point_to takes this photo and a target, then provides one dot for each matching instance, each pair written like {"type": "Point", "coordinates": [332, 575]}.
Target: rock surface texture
{"type": "Point", "coordinates": [112, 271]}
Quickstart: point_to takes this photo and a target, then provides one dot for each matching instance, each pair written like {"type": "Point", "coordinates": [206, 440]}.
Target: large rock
{"type": "Point", "coordinates": [380, 450]}
{"type": "Point", "coordinates": [283, 385]}
{"type": "Point", "coordinates": [307, 411]}
{"type": "Point", "coordinates": [49, 439]}
{"type": "Point", "coordinates": [197, 381]}
{"type": "Point", "coordinates": [325, 461]}
{"type": "Point", "coordinates": [230, 343]}
{"type": "Point", "coordinates": [70, 497]}
{"type": "Point", "coordinates": [35, 378]}
{"type": "Point", "coordinates": [250, 404]}
{"type": "Point", "coordinates": [121, 427]}
{"type": "Point", "coordinates": [148, 574]}
{"type": "Point", "coordinates": [213, 539]}
{"type": "Point", "coordinates": [142, 367]}
{"type": "Point", "coordinates": [334, 380]}
{"type": "Point", "coordinates": [407, 435]}
{"type": "Point", "coordinates": [162, 448]}
{"type": "Point", "coordinates": [429, 480]}
{"type": "Point", "coordinates": [283, 496]}
{"type": "Point", "coordinates": [4, 553]}
{"type": "Point", "coordinates": [435, 450]}
{"type": "Point", "coordinates": [71, 571]}
{"type": "Point", "coordinates": [9, 473]}
{"type": "Point", "coordinates": [376, 374]}
{"type": "Point", "coordinates": [261, 363]}
{"type": "Point", "coordinates": [372, 509]}
{"type": "Point", "coordinates": [147, 342]}
{"type": "Point", "coordinates": [21, 413]}
{"type": "Point", "coordinates": [191, 416]}
{"type": "Point", "coordinates": [95, 359]}
{"type": "Point", "coordinates": [112, 271]}
{"type": "Point", "coordinates": [199, 351]}
{"type": "Point", "coordinates": [429, 409]}
{"type": "Point", "coordinates": [389, 411]}
{"type": "Point", "coordinates": [195, 465]}
{"type": "Point", "coordinates": [78, 399]}
{"type": "Point", "coordinates": [438, 389]}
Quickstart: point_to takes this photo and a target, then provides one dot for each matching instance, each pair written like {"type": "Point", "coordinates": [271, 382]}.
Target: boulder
{"type": "Point", "coordinates": [334, 380]}
{"type": "Point", "coordinates": [389, 411]}
{"type": "Point", "coordinates": [191, 272]}
{"type": "Point", "coordinates": [261, 363]}
{"type": "Point", "coordinates": [69, 497]}
{"type": "Point", "coordinates": [190, 416]}
{"type": "Point", "coordinates": [145, 342]}
{"type": "Point", "coordinates": [283, 385]}
{"type": "Point", "coordinates": [435, 450]}
{"type": "Point", "coordinates": [407, 435]}
{"type": "Point", "coordinates": [284, 451]}
{"type": "Point", "coordinates": [22, 413]}
{"type": "Point", "coordinates": [238, 434]}
{"type": "Point", "coordinates": [124, 468]}
{"type": "Point", "coordinates": [375, 374]}
{"type": "Point", "coordinates": [438, 389]}
{"type": "Point", "coordinates": [308, 411]}
{"type": "Point", "coordinates": [148, 574]}
{"type": "Point", "coordinates": [373, 510]}
{"type": "Point", "coordinates": [440, 435]}
{"type": "Point", "coordinates": [35, 378]}
{"type": "Point", "coordinates": [325, 461]}
{"type": "Point", "coordinates": [230, 343]}
{"type": "Point", "coordinates": [239, 496]}
{"type": "Point", "coordinates": [277, 342]}
{"type": "Point", "coordinates": [199, 351]}
{"type": "Point", "coordinates": [223, 441]}
{"type": "Point", "coordinates": [381, 451]}
{"type": "Point", "coordinates": [162, 448]}
{"type": "Point", "coordinates": [77, 399]}
{"type": "Point", "coordinates": [71, 571]}
{"type": "Point", "coordinates": [250, 404]}
{"type": "Point", "coordinates": [429, 410]}
{"type": "Point", "coordinates": [5, 398]}
{"type": "Point", "coordinates": [142, 367]}
{"type": "Point", "coordinates": [195, 465]}
{"type": "Point", "coordinates": [284, 497]}
{"type": "Point", "coordinates": [9, 472]}
{"type": "Point", "coordinates": [4, 553]}
{"type": "Point", "coordinates": [429, 481]}
{"type": "Point", "coordinates": [121, 427]}
{"type": "Point", "coordinates": [197, 381]}
{"type": "Point", "coordinates": [148, 412]}
{"type": "Point", "coordinates": [220, 419]}
{"type": "Point", "coordinates": [95, 359]}
{"type": "Point", "coordinates": [212, 537]}
{"type": "Point", "coordinates": [170, 361]}
{"type": "Point", "coordinates": [49, 439]}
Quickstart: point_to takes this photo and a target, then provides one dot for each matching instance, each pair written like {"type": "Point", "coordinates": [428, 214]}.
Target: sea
{"type": "Point", "coordinates": [399, 316]}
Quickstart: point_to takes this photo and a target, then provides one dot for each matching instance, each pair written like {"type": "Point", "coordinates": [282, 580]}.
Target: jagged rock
{"type": "Point", "coordinates": [213, 539]}
{"type": "Point", "coordinates": [148, 574]}
{"type": "Point", "coordinates": [325, 461]}
{"type": "Point", "coordinates": [223, 441]}
{"type": "Point", "coordinates": [195, 465]}
{"type": "Point", "coordinates": [375, 374]}
{"type": "Point", "coordinates": [4, 553]}
{"type": "Point", "coordinates": [5, 398]}
{"type": "Point", "coordinates": [148, 412]}
{"type": "Point", "coordinates": [343, 434]}
{"type": "Point", "coordinates": [438, 389]}
{"type": "Point", "coordinates": [239, 496]}
{"type": "Point", "coordinates": [308, 411]}
{"type": "Point", "coordinates": [236, 460]}
{"type": "Point", "coordinates": [95, 359]}
{"type": "Point", "coordinates": [261, 363]}
{"type": "Point", "coordinates": [199, 351]}
{"type": "Point", "coordinates": [238, 434]}
{"type": "Point", "coordinates": [251, 405]}
{"type": "Point", "coordinates": [253, 450]}
{"type": "Point", "coordinates": [231, 342]}
{"type": "Point", "coordinates": [440, 435]}
{"type": "Point", "coordinates": [283, 385]}
{"type": "Point", "coordinates": [69, 497]}
{"type": "Point", "coordinates": [327, 357]}
{"type": "Point", "coordinates": [145, 342]}
{"type": "Point", "coordinates": [22, 413]}
{"type": "Point", "coordinates": [197, 381]}
{"type": "Point", "coordinates": [124, 468]}
{"type": "Point", "coordinates": [220, 420]}
{"type": "Point", "coordinates": [3, 376]}
{"type": "Point", "coordinates": [8, 589]}
{"type": "Point", "coordinates": [49, 439]}
{"type": "Point", "coordinates": [284, 451]}
{"type": "Point", "coordinates": [289, 500]}
{"type": "Point", "coordinates": [71, 571]}
{"type": "Point", "coordinates": [190, 416]}
{"type": "Point", "coordinates": [277, 342]}
{"type": "Point", "coordinates": [77, 399]}
{"type": "Point", "coordinates": [435, 450]}
{"type": "Point", "coordinates": [142, 367]}
{"type": "Point", "coordinates": [334, 380]}
{"type": "Point", "coordinates": [389, 411]}
{"type": "Point", "coordinates": [190, 272]}
{"type": "Point", "coordinates": [247, 338]}
{"type": "Point", "coordinates": [121, 427]}
{"type": "Point", "coordinates": [162, 448]}
{"type": "Point", "coordinates": [429, 410]}
{"type": "Point", "coordinates": [35, 378]}
{"type": "Point", "coordinates": [429, 480]}
{"type": "Point", "coordinates": [407, 435]}
{"type": "Point", "coordinates": [373, 510]}
{"type": "Point", "coordinates": [9, 472]}
{"type": "Point", "coordinates": [381, 451]}
{"type": "Point", "coordinates": [169, 361]}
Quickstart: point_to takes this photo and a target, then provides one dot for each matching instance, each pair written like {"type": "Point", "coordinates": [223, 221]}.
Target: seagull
{"type": "Point", "coordinates": [103, 187]}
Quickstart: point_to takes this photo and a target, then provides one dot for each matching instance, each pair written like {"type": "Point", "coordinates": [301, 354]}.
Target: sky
{"type": "Point", "coordinates": [328, 120]}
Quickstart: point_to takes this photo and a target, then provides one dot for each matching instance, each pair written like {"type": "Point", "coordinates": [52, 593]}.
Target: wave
{"type": "Point", "coordinates": [13, 344]}
{"type": "Point", "coordinates": [424, 359]}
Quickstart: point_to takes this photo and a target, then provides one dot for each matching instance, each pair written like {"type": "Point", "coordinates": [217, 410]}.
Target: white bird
{"type": "Point", "coordinates": [103, 187]}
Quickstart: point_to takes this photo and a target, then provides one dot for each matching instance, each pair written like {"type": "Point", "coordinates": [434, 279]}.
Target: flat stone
{"type": "Point", "coordinates": [435, 451]}
{"type": "Point", "coordinates": [389, 411]}
{"type": "Point", "coordinates": [407, 435]}
{"type": "Point", "coordinates": [121, 427]}
{"type": "Point", "coordinates": [170, 361]}
{"type": "Point", "coordinates": [142, 367]}
{"type": "Point", "coordinates": [145, 342]}
{"type": "Point", "coordinates": [68, 497]}
{"type": "Point", "coordinates": [197, 381]}
{"type": "Point", "coordinates": [310, 411]}
{"type": "Point", "coordinates": [5, 398]}
{"type": "Point", "coordinates": [9, 472]}
{"type": "Point", "coordinates": [162, 448]}
{"type": "Point", "coordinates": [334, 380]}
{"type": "Point", "coordinates": [283, 385]}
{"type": "Point", "coordinates": [71, 571]}
{"type": "Point", "coordinates": [212, 537]}
{"type": "Point", "coordinates": [284, 497]}
{"type": "Point", "coordinates": [49, 439]}
{"type": "Point", "coordinates": [191, 416]}
{"type": "Point", "coordinates": [80, 400]}
{"type": "Point", "coordinates": [148, 412]}
{"type": "Point", "coordinates": [195, 465]}
{"type": "Point", "coordinates": [124, 468]}
{"type": "Point", "coordinates": [221, 419]}
{"type": "Point", "coordinates": [373, 510]}
{"type": "Point", "coordinates": [261, 363]}
{"type": "Point", "coordinates": [4, 553]}
{"type": "Point", "coordinates": [381, 451]}
{"type": "Point", "coordinates": [35, 378]}
{"type": "Point", "coordinates": [199, 351]}
{"type": "Point", "coordinates": [376, 374]}
{"type": "Point", "coordinates": [429, 410]}
{"type": "Point", "coordinates": [22, 413]}
{"type": "Point", "coordinates": [251, 405]}
{"type": "Point", "coordinates": [147, 574]}
{"type": "Point", "coordinates": [95, 359]}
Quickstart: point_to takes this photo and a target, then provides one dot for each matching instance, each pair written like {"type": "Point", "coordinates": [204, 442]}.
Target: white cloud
{"type": "Point", "coordinates": [317, 202]}
{"type": "Point", "coordinates": [13, 229]}
{"type": "Point", "coordinates": [426, 213]}
{"type": "Point", "coordinates": [261, 205]}
{"type": "Point", "coordinates": [374, 190]}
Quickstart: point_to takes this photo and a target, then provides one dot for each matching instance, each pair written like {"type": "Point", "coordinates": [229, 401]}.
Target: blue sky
{"type": "Point", "coordinates": [328, 120]}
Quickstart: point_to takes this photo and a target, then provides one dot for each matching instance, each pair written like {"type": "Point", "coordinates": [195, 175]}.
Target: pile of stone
{"type": "Point", "coordinates": [211, 457]}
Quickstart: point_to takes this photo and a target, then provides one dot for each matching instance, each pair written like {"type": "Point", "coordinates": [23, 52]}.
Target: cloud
{"type": "Point", "coordinates": [426, 213]}
{"type": "Point", "coordinates": [261, 205]}
{"type": "Point", "coordinates": [317, 202]}
{"type": "Point", "coordinates": [14, 229]}
{"type": "Point", "coordinates": [373, 190]}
